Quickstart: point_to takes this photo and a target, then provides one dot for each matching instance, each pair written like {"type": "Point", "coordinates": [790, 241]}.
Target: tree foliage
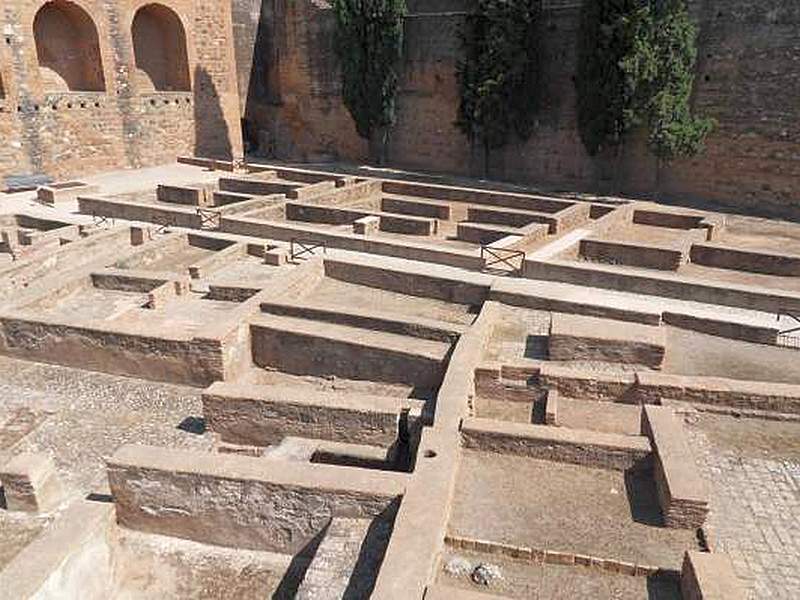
{"type": "Point", "coordinates": [369, 42]}
{"type": "Point", "coordinates": [499, 75]}
{"type": "Point", "coordinates": [637, 61]}
{"type": "Point", "coordinates": [605, 93]}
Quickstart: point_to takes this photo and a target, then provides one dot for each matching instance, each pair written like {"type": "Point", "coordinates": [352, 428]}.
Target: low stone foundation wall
{"type": "Point", "coordinates": [707, 576]}
{"type": "Point", "coordinates": [722, 328]}
{"type": "Point", "coordinates": [663, 284]}
{"type": "Point", "coordinates": [264, 415]}
{"type": "Point", "coordinates": [418, 208]}
{"type": "Point", "coordinates": [176, 216]}
{"type": "Point", "coordinates": [575, 337]}
{"type": "Point", "coordinates": [192, 361]}
{"type": "Point", "coordinates": [307, 348]}
{"type": "Point", "coordinates": [540, 556]}
{"type": "Point", "coordinates": [238, 501]}
{"type": "Point", "coordinates": [633, 255]}
{"type": "Point", "coordinates": [468, 288]}
{"type": "Point", "coordinates": [725, 257]}
{"type": "Point", "coordinates": [578, 447]}
{"type": "Point", "coordinates": [682, 493]}
{"type": "Point", "coordinates": [757, 395]}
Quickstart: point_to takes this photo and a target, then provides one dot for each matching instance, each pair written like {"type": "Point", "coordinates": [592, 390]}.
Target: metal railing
{"type": "Point", "coordinates": [503, 259]}
{"type": "Point", "coordinates": [209, 219]}
{"type": "Point", "coordinates": [299, 247]}
{"type": "Point", "coordinates": [102, 220]}
{"type": "Point", "coordinates": [789, 337]}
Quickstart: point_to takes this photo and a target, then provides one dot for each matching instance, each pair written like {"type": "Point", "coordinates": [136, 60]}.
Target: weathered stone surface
{"type": "Point", "coordinates": [239, 501]}
{"type": "Point", "coordinates": [31, 483]}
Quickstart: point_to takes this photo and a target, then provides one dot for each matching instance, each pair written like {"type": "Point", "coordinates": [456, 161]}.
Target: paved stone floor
{"type": "Point", "coordinates": [755, 507]}
{"type": "Point", "coordinates": [79, 417]}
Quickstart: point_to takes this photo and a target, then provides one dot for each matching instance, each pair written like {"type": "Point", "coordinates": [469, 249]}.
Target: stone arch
{"type": "Point", "coordinates": [68, 48]}
{"type": "Point", "coordinates": [159, 47]}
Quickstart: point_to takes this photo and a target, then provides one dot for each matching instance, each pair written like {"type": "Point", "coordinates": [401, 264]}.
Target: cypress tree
{"type": "Point", "coordinates": [499, 75]}
{"type": "Point", "coordinates": [369, 43]}
{"type": "Point", "coordinates": [663, 65]}
{"type": "Point", "coordinates": [636, 68]}
{"type": "Point", "coordinates": [605, 92]}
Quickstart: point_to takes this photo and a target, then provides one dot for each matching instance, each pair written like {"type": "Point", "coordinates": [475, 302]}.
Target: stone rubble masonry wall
{"type": "Point", "coordinates": [67, 134]}
{"type": "Point", "coordinates": [578, 447]}
{"type": "Point", "coordinates": [264, 415]}
{"type": "Point", "coordinates": [747, 55]}
{"type": "Point", "coordinates": [722, 328]}
{"type": "Point", "coordinates": [640, 387]}
{"type": "Point", "coordinates": [540, 556]}
{"type": "Point", "coordinates": [175, 216]}
{"type": "Point", "coordinates": [490, 383]}
{"type": "Point", "coordinates": [195, 361]}
{"type": "Point", "coordinates": [682, 493]}
{"type": "Point", "coordinates": [315, 213]}
{"type": "Point", "coordinates": [604, 387]}
{"type": "Point", "coordinates": [734, 393]}
{"type": "Point", "coordinates": [306, 348]}
{"type": "Point", "coordinates": [419, 208]}
{"type": "Point", "coordinates": [707, 576]}
{"type": "Point", "coordinates": [420, 327]}
{"type": "Point", "coordinates": [239, 501]}
{"type": "Point", "coordinates": [663, 284]}
{"type": "Point", "coordinates": [411, 250]}
{"type": "Point", "coordinates": [415, 280]}
{"type": "Point", "coordinates": [577, 337]}
{"type": "Point", "coordinates": [724, 257]}
{"type": "Point", "coordinates": [633, 255]}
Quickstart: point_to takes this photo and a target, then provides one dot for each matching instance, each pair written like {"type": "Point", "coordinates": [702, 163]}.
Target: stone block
{"type": "Point", "coordinates": [276, 257]}
{"type": "Point", "coordinates": [682, 493]}
{"type": "Point", "coordinates": [31, 483]}
{"type": "Point", "coordinates": [366, 225]}
{"type": "Point", "coordinates": [706, 576]}
{"type": "Point", "coordinates": [551, 408]}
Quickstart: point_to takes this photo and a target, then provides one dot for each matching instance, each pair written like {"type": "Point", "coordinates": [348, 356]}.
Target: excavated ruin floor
{"type": "Point", "coordinates": [562, 507]}
{"type": "Point", "coordinates": [88, 415]}
{"type": "Point", "coordinates": [552, 582]}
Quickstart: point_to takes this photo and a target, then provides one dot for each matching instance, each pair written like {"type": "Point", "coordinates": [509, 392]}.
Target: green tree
{"type": "Point", "coordinates": [637, 68]}
{"type": "Point", "coordinates": [605, 91]}
{"type": "Point", "coordinates": [662, 63]}
{"type": "Point", "coordinates": [369, 44]}
{"type": "Point", "coordinates": [499, 75]}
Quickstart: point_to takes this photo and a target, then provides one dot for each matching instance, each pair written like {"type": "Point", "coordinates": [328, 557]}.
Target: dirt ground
{"type": "Point", "coordinates": [556, 506]}
{"type": "Point", "coordinates": [333, 291]}
{"type": "Point", "coordinates": [555, 582]}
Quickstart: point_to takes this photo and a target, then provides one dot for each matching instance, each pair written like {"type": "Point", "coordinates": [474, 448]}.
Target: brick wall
{"type": "Point", "coordinates": [69, 133]}
{"type": "Point", "coordinates": [746, 80]}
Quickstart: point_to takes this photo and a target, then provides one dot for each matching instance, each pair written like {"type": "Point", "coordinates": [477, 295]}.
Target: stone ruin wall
{"type": "Point", "coordinates": [748, 66]}
{"type": "Point", "coordinates": [48, 128]}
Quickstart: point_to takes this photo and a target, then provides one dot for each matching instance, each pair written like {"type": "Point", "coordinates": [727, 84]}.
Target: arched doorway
{"type": "Point", "coordinates": [68, 48]}
{"type": "Point", "coordinates": [159, 46]}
